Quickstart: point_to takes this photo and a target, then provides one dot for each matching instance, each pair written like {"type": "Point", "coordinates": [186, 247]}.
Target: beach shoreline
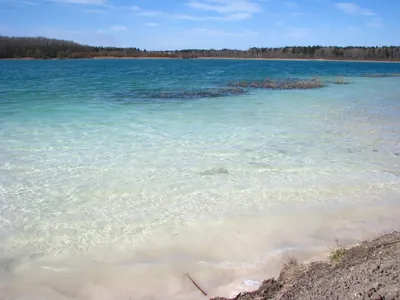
{"type": "Point", "coordinates": [368, 270]}
{"type": "Point", "coordinates": [206, 58]}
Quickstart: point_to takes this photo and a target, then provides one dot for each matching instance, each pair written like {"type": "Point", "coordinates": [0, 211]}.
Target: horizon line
{"type": "Point", "coordinates": [198, 49]}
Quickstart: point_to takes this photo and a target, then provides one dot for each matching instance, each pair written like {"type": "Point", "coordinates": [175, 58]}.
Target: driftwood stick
{"type": "Point", "coordinates": [196, 285]}
{"type": "Point", "coordinates": [390, 243]}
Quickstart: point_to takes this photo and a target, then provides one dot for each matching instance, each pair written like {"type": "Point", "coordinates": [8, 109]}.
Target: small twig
{"type": "Point", "coordinates": [391, 243]}
{"type": "Point", "coordinates": [196, 285]}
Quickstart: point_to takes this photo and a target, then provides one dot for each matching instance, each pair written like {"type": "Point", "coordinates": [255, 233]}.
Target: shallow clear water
{"type": "Point", "coordinates": [109, 192]}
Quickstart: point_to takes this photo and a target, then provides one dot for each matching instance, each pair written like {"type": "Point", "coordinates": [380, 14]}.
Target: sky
{"type": "Point", "coordinates": [205, 24]}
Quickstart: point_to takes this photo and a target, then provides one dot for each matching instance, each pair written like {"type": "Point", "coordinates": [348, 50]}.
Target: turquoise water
{"type": "Point", "coordinates": [114, 182]}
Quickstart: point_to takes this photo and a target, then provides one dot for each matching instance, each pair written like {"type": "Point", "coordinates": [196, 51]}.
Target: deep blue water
{"type": "Point", "coordinates": [110, 79]}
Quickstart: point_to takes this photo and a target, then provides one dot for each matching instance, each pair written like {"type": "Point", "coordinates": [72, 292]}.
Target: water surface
{"type": "Point", "coordinates": [108, 190]}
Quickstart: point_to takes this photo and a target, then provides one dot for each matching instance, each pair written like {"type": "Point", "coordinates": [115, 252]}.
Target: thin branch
{"type": "Point", "coordinates": [196, 285]}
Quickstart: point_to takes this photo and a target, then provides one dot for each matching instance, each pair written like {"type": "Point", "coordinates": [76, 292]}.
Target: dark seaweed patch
{"type": "Point", "coordinates": [281, 84]}
{"type": "Point", "coordinates": [193, 93]}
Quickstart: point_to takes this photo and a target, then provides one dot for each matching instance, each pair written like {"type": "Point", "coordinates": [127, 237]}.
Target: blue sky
{"type": "Point", "coordinates": [180, 24]}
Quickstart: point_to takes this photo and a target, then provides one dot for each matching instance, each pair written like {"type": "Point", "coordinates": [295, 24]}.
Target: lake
{"type": "Point", "coordinates": [118, 177]}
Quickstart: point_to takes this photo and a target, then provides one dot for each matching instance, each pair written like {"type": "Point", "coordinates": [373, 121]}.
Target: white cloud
{"type": "Point", "coordinates": [118, 28]}
{"type": "Point", "coordinates": [183, 17]}
{"type": "Point", "coordinates": [226, 6]}
{"type": "Point", "coordinates": [216, 32]}
{"type": "Point", "coordinates": [376, 24]}
{"type": "Point", "coordinates": [152, 24]}
{"type": "Point", "coordinates": [138, 11]}
{"type": "Point", "coordinates": [298, 33]}
{"type": "Point", "coordinates": [135, 8]}
{"type": "Point", "coordinates": [88, 2]}
{"type": "Point", "coordinates": [18, 3]}
{"type": "Point", "coordinates": [237, 16]}
{"type": "Point", "coordinates": [232, 17]}
{"type": "Point", "coordinates": [354, 9]}
{"type": "Point", "coordinates": [146, 13]}
{"type": "Point", "coordinates": [95, 11]}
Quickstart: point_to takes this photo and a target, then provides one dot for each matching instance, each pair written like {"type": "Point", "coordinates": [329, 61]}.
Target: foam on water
{"type": "Point", "coordinates": [108, 199]}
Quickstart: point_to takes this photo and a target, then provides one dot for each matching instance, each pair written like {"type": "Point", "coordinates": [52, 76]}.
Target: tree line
{"type": "Point", "coordinates": [44, 48]}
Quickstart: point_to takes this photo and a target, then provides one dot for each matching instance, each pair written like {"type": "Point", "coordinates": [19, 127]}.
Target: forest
{"type": "Point", "coordinates": [45, 48]}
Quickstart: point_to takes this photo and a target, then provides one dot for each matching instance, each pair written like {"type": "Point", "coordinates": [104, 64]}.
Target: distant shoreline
{"type": "Point", "coordinates": [302, 59]}
{"type": "Point", "coordinates": [45, 48]}
{"type": "Point", "coordinates": [209, 58]}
